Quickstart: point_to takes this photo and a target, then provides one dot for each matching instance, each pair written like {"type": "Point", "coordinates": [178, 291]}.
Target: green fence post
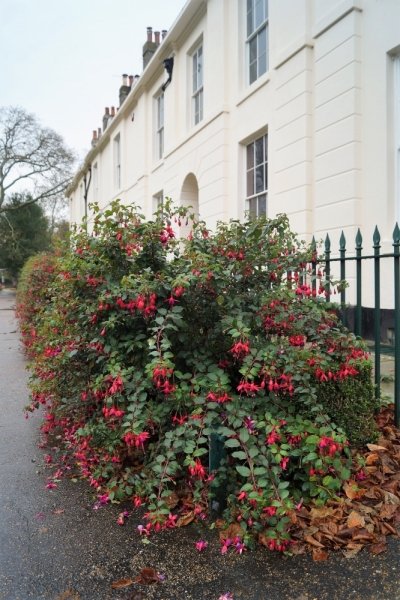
{"type": "Point", "coordinates": [358, 261]}
{"type": "Point", "coordinates": [217, 453]}
{"type": "Point", "coordinates": [343, 276]}
{"type": "Point", "coordinates": [377, 312]}
{"type": "Point", "coordinates": [328, 267]}
{"type": "Point", "coordinates": [396, 245]}
{"type": "Point", "coordinates": [314, 264]}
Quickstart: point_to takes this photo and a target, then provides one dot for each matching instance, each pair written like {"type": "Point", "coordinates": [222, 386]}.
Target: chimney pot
{"type": "Point", "coordinates": [99, 132]}
{"type": "Point", "coordinates": [164, 33]}
{"type": "Point", "coordinates": [107, 110]}
{"type": "Point", "coordinates": [94, 134]}
{"type": "Point", "coordinates": [157, 37]}
{"type": "Point", "coordinates": [113, 111]}
{"type": "Point", "coordinates": [149, 34]}
{"type": "Point", "coordinates": [124, 79]}
{"type": "Point", "coordinates": [130, 80]}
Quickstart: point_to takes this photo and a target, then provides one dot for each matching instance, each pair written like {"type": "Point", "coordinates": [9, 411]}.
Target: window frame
{"type": "Point", "coordinates": [198, 93]}
{"type": "Point", "coordinates": [160, 100]}
{"type": "Point", "coordinates": [255, 167]}
{"type": "Point", "coordinates": [117, 159]}
{"type": "Point", "coordinates": [95, 183]}
{"type": "Point", "coordinates": [255, 35]}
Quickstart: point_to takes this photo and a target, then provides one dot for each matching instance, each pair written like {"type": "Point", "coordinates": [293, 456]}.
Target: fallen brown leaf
{"type": "Point", "coordinates": [352, 490]}
{"type": "Point", "coordinates": [219, 523]}
{"type": "Point", "coordinates": [319, 555]}
{"type": "Point", "coordinates": [185, 519]}
{"type": "Point", "coordinates": [296, 548]}
{"type": "Point", "coordinates": [121, 583]}
{"type": "Point", "coordinates": [372, 459]}
{"type": "Point", "coordinates": [378, 548]}
{"type": "Point", "coordinates": [374, 447]}
{"type": "Point", "coordinates": [388, 511]}
{"type": "Point", "coordinates": [172, 500]}
{"type": "Point", "coordinates": [231, 532]}
{"type": "Point", "coordinates": [321, 511]}
{"type": "Point", "coordinates": [147, 576]}
{"type": "Point", "coordinates": [390, 498]}
{"type": "Point", "coordinates": [59, 511]}
{"type": "Point", "coordinates": [355, 520]}
{"type": "Point", "coordinates": [312, 541]}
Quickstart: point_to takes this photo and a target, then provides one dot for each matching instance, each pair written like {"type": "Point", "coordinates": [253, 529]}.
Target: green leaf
{"type": "Point", "coordinates": [345, 473]}
{"type": "Point", "coordinates": [200, 451]}
{"type": "Point", "coordinates": [232, 443]}
{"type": "Point", "coordinates": [240, 455]}
{"type": "Point", "coordinates": [245, 471]}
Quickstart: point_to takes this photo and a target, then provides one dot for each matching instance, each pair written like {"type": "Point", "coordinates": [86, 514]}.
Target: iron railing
{"type": "Point", "coordinates": [359, 257]}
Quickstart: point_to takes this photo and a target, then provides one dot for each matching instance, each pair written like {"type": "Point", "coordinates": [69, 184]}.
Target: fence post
{"type": "Point", "coordinates": [314, 264]}
{"type": "Point", "coordinates": [358, 261]}
{"type": "Point", "coordinates": [328, 267]}
{"type": "Point", "coordinates": [377, 312]}
{"type": "Point", "coordinates": [396, 245]}
{"type": "Point", "coordinates": [343, 277]}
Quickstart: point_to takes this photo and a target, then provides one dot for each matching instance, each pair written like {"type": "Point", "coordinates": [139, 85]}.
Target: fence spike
{"type": "Point", "coordinates": [327, 243]}
{"type": "Point", "coordinates": [376, 238]}
{"type": "Point", "coordinates": [396, 235]}
{"type": "Point", "coordinates": [342, 242]}
{"type": "Point", "coordinates": [358, 240]}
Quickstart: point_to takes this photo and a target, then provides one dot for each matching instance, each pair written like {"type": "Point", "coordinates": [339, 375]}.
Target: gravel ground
{"type": "Point", "coordinates": [76, 555]}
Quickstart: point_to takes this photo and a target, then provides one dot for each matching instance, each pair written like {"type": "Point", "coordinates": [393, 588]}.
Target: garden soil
{"type": "Point", "coordinates": [55, 546]}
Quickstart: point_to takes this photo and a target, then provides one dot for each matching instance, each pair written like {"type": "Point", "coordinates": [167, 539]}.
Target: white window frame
{"type": "Point", "coordinates": [198, 84]}
{"type": "Point", "coordinates": [117, 159]}
{"type": "Point", "coordinates": [255, 35]}
{"type": "Point", "coordinates": [158, 201]}
{"type": "Point", "coordinates": [95, 183]}
{"type": "Point", "coordinates": [257, 190]}
{"type": "Point", "coordinates": [160, 126]}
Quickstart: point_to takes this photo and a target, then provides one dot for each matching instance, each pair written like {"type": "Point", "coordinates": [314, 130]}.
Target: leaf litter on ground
{"type": "Point", "coordinates": [369, 510]}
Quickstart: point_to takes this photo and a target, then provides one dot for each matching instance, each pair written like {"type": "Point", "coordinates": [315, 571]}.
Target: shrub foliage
{"type": "Point", "coordinates": [147, 345]}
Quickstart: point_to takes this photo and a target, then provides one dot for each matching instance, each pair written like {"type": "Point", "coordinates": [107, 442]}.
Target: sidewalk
{"type": "Point", "coordinates": [76, 555]}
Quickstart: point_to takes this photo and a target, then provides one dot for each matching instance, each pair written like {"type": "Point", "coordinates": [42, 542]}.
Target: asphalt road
{"type": "Point", "coordinates": [77, 554]}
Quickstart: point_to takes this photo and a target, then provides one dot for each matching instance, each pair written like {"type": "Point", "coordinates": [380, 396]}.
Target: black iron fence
{"type": "Point", "coordinates": [359, 257]}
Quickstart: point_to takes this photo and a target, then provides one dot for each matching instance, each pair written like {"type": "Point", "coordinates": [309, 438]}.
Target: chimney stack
{"type": "Point", "coordinates": [157, 37]}
{"type": "Point", "coordinates": [99, 133]}
{"type": "Point", "coordinates": [94, 138]}
{"type": "Point", "coordinates": [124, 89]}
{"type": "Point", "coordinates": [106, 117]}
{"type": "Point", "coordinates": [164, 34]}
{"type": "Point", "coordinates": [149, 47]}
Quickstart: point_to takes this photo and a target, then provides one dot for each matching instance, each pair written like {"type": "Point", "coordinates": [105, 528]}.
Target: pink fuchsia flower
{"type": "Point", "coordinates": [40, 516]}
{"type": "Point", "coordinates": [103, 498]}
{"type": "Point", "coordinates": [96, 506]}
{"type": "Point", "coordinates": [284, 463]}
{"type": "Point", "coordinates": [120, 519]}
{"type": "Point", "coordinates": [298, 506]}
{"type": "Point", "coordinates": [51, 485]}
{"type": "Point", "coordinates": [226, 597]}
{"type": "Point", "coordinates": [225, 545]}
{"type": "Point", "coordinates": [161, 577]}
{"type": "Point", "coordinates": [248, 423]}
{"type": "Point", "coordinates": [201, 545]}
{"type": "Point", "coordinates": [126, 513]}
{"type": "Point", "coordinates": [361, 476]}
{"type": "Point", "coordinates": [240, 547]}
{"type": "Point", "coordinates": [142, 529]}
{"type": "Point", "coordinates": [171, 521]}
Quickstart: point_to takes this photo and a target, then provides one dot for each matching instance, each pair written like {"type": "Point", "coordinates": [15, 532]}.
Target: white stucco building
{"type": "Point", "coordinates": [275, 105]}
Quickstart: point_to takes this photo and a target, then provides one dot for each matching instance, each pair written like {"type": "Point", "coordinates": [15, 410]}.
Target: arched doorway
{"type": "Point", "coordinates": [189, 197]}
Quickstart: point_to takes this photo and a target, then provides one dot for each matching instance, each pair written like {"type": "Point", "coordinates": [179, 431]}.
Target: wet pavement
{"type": "Point", "coordinates": [78, 554]}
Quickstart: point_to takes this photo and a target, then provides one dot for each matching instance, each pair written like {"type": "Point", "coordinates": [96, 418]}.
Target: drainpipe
{"type": "Point", "coordinates": [86, 187]}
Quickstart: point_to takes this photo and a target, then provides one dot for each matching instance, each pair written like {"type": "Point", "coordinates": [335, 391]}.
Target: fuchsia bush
{"type": "Point", "coordinates": [145, 345]}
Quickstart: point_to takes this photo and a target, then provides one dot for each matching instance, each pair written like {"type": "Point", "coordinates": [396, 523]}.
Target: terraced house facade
{"type": "Point", "coordinates": [264, 105]}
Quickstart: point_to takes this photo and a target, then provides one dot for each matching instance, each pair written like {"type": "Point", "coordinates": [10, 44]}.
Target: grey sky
{"type": "Point", "coordinates": [63, 59]}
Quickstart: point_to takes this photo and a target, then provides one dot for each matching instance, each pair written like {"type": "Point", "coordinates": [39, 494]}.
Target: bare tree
{"type": "Point", "coordinates": [33, 156]}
